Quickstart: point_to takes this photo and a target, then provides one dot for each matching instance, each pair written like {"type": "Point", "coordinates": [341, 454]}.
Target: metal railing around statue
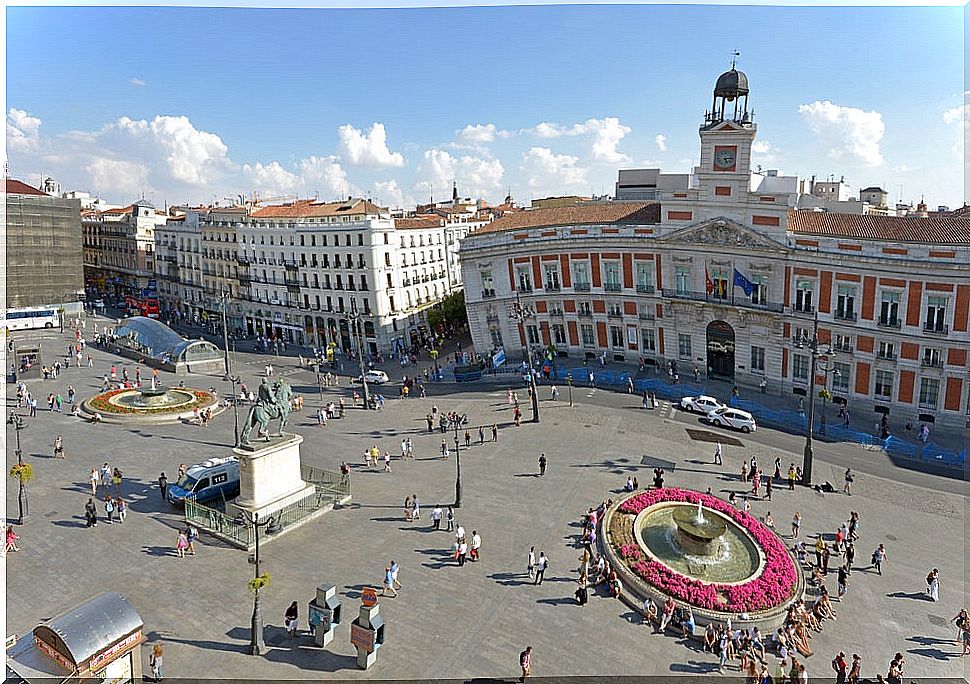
{"type": "Point", "coordinates": [332, 489]}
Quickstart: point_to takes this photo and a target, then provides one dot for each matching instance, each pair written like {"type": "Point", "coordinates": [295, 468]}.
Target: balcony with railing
{"type": "Point", "coordinates": [646, 315]}
{"type": "Point", "coordinates": [612, 287]}
{"type": "Point", "coordinates": [886, 354]}
{"type": "Point", "coordinates": [889, 322]}
{"type": "Point", "coordinates": [488, 294]}
{"type": "Point", "coordinates": [614, 313]}
{"type": "Point", "coordinates": [936, 328]}
{"type": "Point", "coordinates": [492, 318]}
{"type": "Point", "coordinates": [581, 287]}
{"type": "Point", "coordinates": [845, 315]}
{"type": "Point", "coordinates": [551, 287]}
{"type": "Point", "coordinates": [585, 313]}
{"type": "Point", "coordinates": [931, 362]}
{"type": "Point", "coordinates": [807, 309]}
{"type": "Point", "coordinates": [743, 302]}
{"type": "Point", "coordinates": [645, 288]}
{"type": "Point", "coordinates": [844, 349]}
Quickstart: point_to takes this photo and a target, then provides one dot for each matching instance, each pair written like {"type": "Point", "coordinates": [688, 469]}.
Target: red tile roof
{"type": "Point", "coordinates": [418, 222]}
{"type": "Point", "coordinates": [949, 230]}
{"type": "Point", "coordinates": [16, 187]}
{"type": "Point", "coordinates": [312, 209]}
{"type": "Point", "coordinates": [603, 212]}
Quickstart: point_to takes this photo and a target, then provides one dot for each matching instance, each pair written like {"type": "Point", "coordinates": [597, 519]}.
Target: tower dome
{"type": "Point", "coordinates": [730, 92]}
{"type": "Point", "coordinates": [731, 84]}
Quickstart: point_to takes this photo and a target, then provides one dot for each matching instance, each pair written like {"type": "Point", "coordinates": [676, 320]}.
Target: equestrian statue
{"type": "Point", "coordinates": [271, 402]}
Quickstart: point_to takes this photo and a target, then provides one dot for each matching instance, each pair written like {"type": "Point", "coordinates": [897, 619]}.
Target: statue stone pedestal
{"type": "Point", "coordinates": [269, 476]}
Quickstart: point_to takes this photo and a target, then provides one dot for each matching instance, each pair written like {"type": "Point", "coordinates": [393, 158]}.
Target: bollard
{"type": "Point", "coordinates": [367, 631]}
{"type": "Point", "coordinates": [324, 614]}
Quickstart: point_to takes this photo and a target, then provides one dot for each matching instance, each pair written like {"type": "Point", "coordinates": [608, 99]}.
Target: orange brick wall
{"type": "Point", "coordinates": [601, 334]}
{"type": "Point", "coordinates": [957, 357]}
{"type": "Point", "coordinates": [913, 302]}
{"type": "Point", "coordinates": [627, 270]}
{"type": "Point", "coordinates": [868, 297]}
{"type": "Point", "coordinates": [862, 378]}
{"type": "Point", "coordinates": [825, 298]}
{"type": "Point", "coordinates": [572, 329]}
{"type": "Point", "coordinates": [954, 393]}
{"type": "Point", "coordinates": [962, 309]}
{"type": "Point", "coordinates": [910, 350]}
{"type": "Point", "coordinates": [864, 343]}
{"type": "Point", "coordinates": [567, 277]}
{"type": "Point", "coordinates": [907, 380]}
{"type": "Point", "coordinates": [594, 269]}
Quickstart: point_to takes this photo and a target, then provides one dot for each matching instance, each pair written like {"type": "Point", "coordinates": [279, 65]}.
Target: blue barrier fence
{"type": "Point", "coordinates": [790, 421]}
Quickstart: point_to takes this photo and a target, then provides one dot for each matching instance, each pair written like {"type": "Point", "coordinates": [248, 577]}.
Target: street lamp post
{"type": "Point", "coordinates": [811, 344]}
{"type": "Point", "coordinates": [23, 503]}
{"type": "Point", "coordinates": [520, 314]}
{"type": "Point", "coordinates": [354, 319]}
{"type": "Point", "coordinates": [229, 377]}
{"type": "Point", "coordinates": [569, 384]}
{"type": "Point", "coordinates": [257, 645]}
{"type": "Point", "coordinates": [456, 423]}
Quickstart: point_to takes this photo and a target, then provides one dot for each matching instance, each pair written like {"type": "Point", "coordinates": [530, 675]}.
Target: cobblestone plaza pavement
{"type": "Point", "coordinates": [448, 621]}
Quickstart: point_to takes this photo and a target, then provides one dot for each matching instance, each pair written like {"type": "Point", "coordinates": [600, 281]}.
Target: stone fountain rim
{"type": "Point", "coordinates": [762, 559]}
{"type": "Point", "coordinates": [635, 588]}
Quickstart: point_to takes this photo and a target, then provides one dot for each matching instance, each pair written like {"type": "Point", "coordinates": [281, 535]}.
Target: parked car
{"type": "Point", "coordinates": [732, 418]}
{"type": "Point", "coordinates": [374, 377]}
{"type": "Point", "coordinates": [702, 404]}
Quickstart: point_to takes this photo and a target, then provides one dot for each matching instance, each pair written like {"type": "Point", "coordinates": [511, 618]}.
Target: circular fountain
{"type": "Point", "coordinates": [699, 550]}
{"type": "Point", "coordinates": [150, 404]}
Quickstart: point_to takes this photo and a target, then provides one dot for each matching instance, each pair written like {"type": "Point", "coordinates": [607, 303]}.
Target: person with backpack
{"type": "Point", "coordinates": [840, 667]}
{"type": "Point", "coordinates": [541, 565]}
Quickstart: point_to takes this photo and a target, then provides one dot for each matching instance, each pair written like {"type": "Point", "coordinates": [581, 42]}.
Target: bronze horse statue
{"type": "Point", "coordinates": [272, 403]}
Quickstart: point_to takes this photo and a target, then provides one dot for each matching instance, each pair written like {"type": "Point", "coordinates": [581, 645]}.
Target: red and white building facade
{"type": "Point", "coordinates": [722, 273]}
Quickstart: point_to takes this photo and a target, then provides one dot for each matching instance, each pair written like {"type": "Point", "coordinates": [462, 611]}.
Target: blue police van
{"type": "Point", "coordinates": [213, 479]}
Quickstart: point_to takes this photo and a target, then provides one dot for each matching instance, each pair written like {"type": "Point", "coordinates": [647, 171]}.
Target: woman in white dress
{"type": "Point", "coordinates": [933, 582]}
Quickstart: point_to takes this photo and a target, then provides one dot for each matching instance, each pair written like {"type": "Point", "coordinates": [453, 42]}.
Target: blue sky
{"type": "Point", "coordinates": [191, 104]}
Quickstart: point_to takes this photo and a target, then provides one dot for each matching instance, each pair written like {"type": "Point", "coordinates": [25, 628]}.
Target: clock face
{"type": "Point", "coordinates": [725, 158]}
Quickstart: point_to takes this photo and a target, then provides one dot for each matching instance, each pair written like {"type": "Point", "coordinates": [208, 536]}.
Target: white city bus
{"type": "Point", "coordinates": [29, 318]}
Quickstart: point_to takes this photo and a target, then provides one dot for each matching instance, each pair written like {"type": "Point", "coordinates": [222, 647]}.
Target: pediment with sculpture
{"type": "Point", "coordinates": [724, 232]}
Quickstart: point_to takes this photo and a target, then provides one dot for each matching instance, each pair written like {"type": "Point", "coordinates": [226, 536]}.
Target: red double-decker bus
{"type": "Point", "coordinates": [142, 306]}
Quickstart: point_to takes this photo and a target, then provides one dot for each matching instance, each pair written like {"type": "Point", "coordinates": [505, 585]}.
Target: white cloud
{"type": "Point", "coordinates": [23, 130]}
{"type": "Point", "coordinates": [546, 172]}
{"type": "Point", "coordinates": [367, 149]}
{"type": "Point", "coordinates": [476, 177]}
{"type": "Point", "coordinates": [270, 179]}
{"type": "Point", "coordinates": [387, 193]}
{"type": "Point", "coordinates": [952, 115]}
{"type": "Point", "coordinates": [764, 152]}
{"type": "Point", "coordinates": [477, 134]}
{"type": "Point", "coordinates": [322, 177]}
{"type": "Point", "coordinates": [123, 177]}
{"type": "Point", "coordinates": [137, 82]}
{"type": "Point", "coordinates": [606, 134]}
{"type": "Point", "coordinates": [847, 133]}
{"type": "Point", "coordinates": [661, 142]}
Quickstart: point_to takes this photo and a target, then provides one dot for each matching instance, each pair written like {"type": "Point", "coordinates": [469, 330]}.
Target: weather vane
{"type": "Point", "coordinates": [734, 60]}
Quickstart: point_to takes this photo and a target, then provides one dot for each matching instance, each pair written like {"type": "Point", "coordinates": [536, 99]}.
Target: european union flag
{"type": "Point", "coordinates": [743, 283]}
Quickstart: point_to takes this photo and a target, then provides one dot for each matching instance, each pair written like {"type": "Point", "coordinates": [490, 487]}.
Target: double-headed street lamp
{"type": "Point", "coordinates": [229, 377]}
{"type": "Point", "coordinates": [455, 421]}
{"type": "Point", "coordinates": [23, 503]}
{"type": "Point", "coordinates": [353, 319]}
{"type": "Point", "coordinates": [257, 645]}
{"type": "Point", "coordinates": [520, 314]}
{"type": "Point", "coordinates": [811, 344]}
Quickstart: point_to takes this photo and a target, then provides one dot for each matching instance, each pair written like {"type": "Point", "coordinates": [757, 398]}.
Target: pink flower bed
{"type": "Point", "coordinates": [774, 585]}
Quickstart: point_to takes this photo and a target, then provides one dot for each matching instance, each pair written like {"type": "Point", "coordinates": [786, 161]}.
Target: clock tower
{"type": "Point", "coordinates": [726, 138]}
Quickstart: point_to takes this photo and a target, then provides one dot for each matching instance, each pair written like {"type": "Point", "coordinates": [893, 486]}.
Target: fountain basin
{"type": "Point", "coordinates": [719, 550]}
{"type": "Point", "coordinates": [750, 578]}
{"type": "Point", "coordinates": [157, 405]}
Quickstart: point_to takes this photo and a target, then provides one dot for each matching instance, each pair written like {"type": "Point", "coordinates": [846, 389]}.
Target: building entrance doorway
{"type": "Point", "coordinates": [720, 351]}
